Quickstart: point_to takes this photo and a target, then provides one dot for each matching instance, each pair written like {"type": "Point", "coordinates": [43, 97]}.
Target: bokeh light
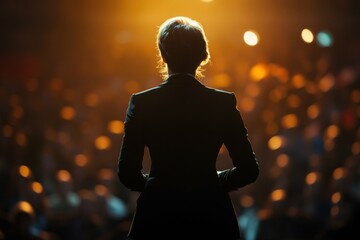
{"type": "Point", "coordinates": [251, 38]}
{"type": "Point", "coordinates": [324, 39]}
{"type": "Point", "coordinates": [102, 142]}
{"type": "Point", "coordinates": [307, 35]}
{"type": "Point", "coordinates": [116, 126]}
{"type": "Point", "coordinates": [63, 175]}
{"type": "Point", "coordinates": [24, 171]}
{"type": "Point", "coordinates": [68, 113]}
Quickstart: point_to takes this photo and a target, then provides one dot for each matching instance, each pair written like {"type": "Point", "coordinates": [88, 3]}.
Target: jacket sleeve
{"type": "Point", "coordinates": [132, 151]}
{"type": "Point", "coordinates": [235, 137]}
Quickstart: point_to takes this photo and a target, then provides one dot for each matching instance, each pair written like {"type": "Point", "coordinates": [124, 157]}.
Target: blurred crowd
{"type": "Point", "coordinates": [61, 132]}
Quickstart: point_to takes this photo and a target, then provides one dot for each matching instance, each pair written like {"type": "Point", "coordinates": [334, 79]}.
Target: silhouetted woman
{"type": "Point", "coordinates": [184, 123]}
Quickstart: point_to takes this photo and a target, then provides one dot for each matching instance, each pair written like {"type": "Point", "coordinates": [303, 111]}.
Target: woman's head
{"type": "Point", "coordinates": [182, 46]}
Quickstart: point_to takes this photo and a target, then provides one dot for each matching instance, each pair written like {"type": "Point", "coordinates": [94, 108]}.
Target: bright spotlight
{"type": "Point", "coordinates": [251, 38]}
{"type": "Point", "coordinates": [307, 35]}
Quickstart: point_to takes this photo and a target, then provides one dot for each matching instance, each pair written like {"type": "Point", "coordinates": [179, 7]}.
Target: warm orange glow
{"type": "Point", "coordinates": [279, 72]}
{"type": "Point", "coordinates": [275, 142]}
{"type": "Point", "coordinates": [81, 160]}
{"type": "Point", "coordinates": [334, 211]}
{"type": "Point", "coordinates": [26, 207]}
{"type": "Point", "coordinates": [37, 187]}
{"type": "Point", "coordinates": [338, 173]}
{"type": "Point", "coordinates": [289, 121]}
{"type": "Point", "coordinates": [252, 90]}
{"type": "Point", "coordinates": [332, 131]}
{"type": "Point", "coordinates": [278, 195]}
{"type": "Point", "coordinates": [67, 113]}
{"type": "Point", "coordinates": [18, 112]}
{"type": "Point", "coordinates": [24, 171]}
{"type": "Point", "coordinates": [271, 128]}
{"type": "Point", "coordinates": [7, 131]}
{"type": "Point", "coordinates": [106, 174]}
{"type": "Point", "coordinates": [63, 176]}
{"type": "Point", "coordinates": [282, 160]}
{"type": "Point", "coordinates": [259, 72]}
{"type": "Point", "coordinates": [56, 84]}
{"type": "Point", "coordinates": [313, 111]}
{"type": "Point", "coordinates": [91, 99]}
{"type": "Point", "coordinates": [311, 178]}
{"type": "Point", "coordinates": [355, 148]}
{"type": "Point", "coordinates": [355, 96]}
{"type": "Point", "coordinates": [247, 201]}
{"type": "Point", "coordinates": [298, 81]}
{"type": "Point", "coordinates": [116, 127]}
{"type": "Point", "coordinates": [221, 81]}
{"type": "Point", "coordinates": [132, 87]}
{"type": "Point", "coordinates": [247, 104]}
{"type": "Point", "coordinates": [102, 142]}
{"type": "Point", "coordinates": [326, 83]}
{"type": "Point", "coordinates": [293, 101]}
{"type": "Point", "coordinates": [21, 139]}
{"type": "Point", "coordinates": [268, 115]}
{"type": "Point", "coordinates": [101, 190]}
{"type": "Point", "coordinates": [336, 197]}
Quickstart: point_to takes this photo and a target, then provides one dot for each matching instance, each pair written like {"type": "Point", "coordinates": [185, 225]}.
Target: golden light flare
{"type": "Point", "coordinates": [247, 201]}
{"type": "Point", "coordinates": [298, 81]}
{"type": "Point", "coordinates": [282, 160]}
{"type": "Point", "coordinates": [24, 206]}
{"type": "Point", "coordinates": [81, 160]}
{"type": "Point", "coordinates": [221, 80]}
{"type": "Point", "coordinates": [332, 131]}
{"type": "Point", "coordinates": [289, 121]}
{"type": "Point", "coordinates": [338, 173]}
{"type": "Point", "coordinates": [68, 113]}
{"type": "Point", "coordinates": [258, 72]}
{"type": "Point", "coordinates": [116, 127]}
{"type": "Point", "coordinates": [311, 178]}
{"type": "Point", "coordinates": [275, 142]}
{"type": "Point", "coordinates": [101, 190]}
{"type": "Point", "coordinates": [326, 83]}
{"type": "Point", "coordinates": [24, 171]}
{"type": "Point", "coordinates": [102, 142]}
{"type": "Point", "coordinates": [63, 175]}
{"type": "Point", "coordinates": [336, 197]}
{"type": "Point", "coordinates": [313, 111]}
{"type": "Point", "coordinates": [278, 195]}
{"type": "Point", "coordinates": [37, 187]}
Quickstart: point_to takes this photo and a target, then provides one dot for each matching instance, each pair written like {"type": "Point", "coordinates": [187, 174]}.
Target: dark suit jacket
{"type": "Point", "coordinates": [184, 124]}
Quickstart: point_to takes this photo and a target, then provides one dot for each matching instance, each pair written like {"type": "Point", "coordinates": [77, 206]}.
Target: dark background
{"type": "Point", "coordinates": [68, 68]}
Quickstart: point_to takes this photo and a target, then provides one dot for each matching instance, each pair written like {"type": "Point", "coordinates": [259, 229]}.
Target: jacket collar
{"type": "Point", "coordinates": [182, 79]}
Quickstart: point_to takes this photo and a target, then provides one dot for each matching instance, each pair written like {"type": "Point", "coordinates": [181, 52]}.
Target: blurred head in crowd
{"type": "Point", "coordinates": [182, 46]}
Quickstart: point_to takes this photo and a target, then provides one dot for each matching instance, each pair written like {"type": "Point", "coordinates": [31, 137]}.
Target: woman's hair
{"type": "Point", "coordinates": [182, 46]}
